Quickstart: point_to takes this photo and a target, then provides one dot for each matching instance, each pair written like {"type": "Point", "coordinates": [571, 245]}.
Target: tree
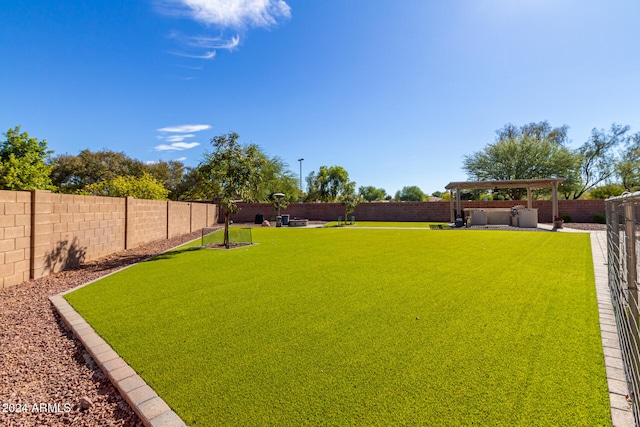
{"type": "Point", "coordinates": [22, 162]}
{"type": "Point", "coordinates": [411, 193]}
{"type": "Point", "coordinates": [606, 191]}
{"type": "Point", "coordinates": [232, 172]}
{"type": "Point", "coordinates": [349, 199]}
{"type": "Point", "coordinates": [597, 159]}
{"type": "Point", "coordinates": [327, 184]}
{"type": "Point", "coordinates": [371, 193]}
{"type": "Point", "coordinates": [145, 187]}
{"type": "Point", "coordinates": [170, 174]}
{"type": "Point", "coordinates": [532, 151]}
{"type": "Point", "coordinates": [628, 168]}
{"type": "Point", "coordinates": [73, 173]}
{"type": "Point", "coordinates": [276, 177]}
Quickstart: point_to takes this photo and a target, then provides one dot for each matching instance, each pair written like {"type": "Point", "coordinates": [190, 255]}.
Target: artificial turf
{"type": "Point", "coordinates": [364, 327]}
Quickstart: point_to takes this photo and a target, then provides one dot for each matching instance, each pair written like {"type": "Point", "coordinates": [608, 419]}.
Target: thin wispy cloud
{"type": "Point", "coordinates": [176, 146]}
{"type": "Point", "coordinates": [185, 128]}
{"type": "Point", "coordinates": [178, 138]}
{"type": "Point", "coordinates": [175, 137]}
{"type": "Point", "coordinates": [203, 42]}
{"type": "Point", "coordinates": [206, 55]}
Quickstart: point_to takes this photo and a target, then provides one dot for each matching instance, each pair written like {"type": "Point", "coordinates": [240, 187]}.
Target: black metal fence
{"type": "Point", "coordinates": [623, 246]}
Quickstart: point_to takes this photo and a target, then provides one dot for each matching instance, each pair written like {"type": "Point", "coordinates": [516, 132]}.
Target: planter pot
{"type": "Point", "coordinates": [558, 223]}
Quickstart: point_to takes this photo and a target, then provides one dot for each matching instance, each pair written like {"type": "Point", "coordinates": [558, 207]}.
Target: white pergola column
{"type": "Point", "coordinates": [554, 200]}
{"type": "Point", "coordinates": [453, 215]}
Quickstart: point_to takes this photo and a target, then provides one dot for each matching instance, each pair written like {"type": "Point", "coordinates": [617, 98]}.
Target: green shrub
{"type": "Point", "coordinates": [600, 219]}
{"type": "Point", "coordinates": [567, 218]}
{"type": "Point", "coordinates": [606, 191]}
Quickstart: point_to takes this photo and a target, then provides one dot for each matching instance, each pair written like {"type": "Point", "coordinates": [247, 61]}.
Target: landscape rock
{"type": "Point", "coordinates": [85, 402]}
{"type": "Point", "coordinates": [42, 365]}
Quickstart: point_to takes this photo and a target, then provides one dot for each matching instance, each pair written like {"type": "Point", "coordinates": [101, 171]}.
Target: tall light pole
{"type": "Point", "coordinates": [300, 160]}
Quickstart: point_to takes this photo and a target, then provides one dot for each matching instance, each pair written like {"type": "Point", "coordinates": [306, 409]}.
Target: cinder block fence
{"type": "Point", "coordinates": [42, 232]}
{"type": "Point", "coordinates": [579, 210]}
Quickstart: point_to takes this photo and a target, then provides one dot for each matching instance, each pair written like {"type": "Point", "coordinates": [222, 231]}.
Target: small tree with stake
{"type": "Point", "coordinates": [349, 199]}
{"type": "Point", "coordinates": [233, 171]}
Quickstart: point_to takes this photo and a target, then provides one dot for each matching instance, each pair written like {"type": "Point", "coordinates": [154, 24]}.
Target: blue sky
{"type": "Point", "coordinates": [396, 92]}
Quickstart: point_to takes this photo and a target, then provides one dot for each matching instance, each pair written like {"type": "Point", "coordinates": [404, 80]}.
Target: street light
{"type": "Point", "coordinates": [300, 160]}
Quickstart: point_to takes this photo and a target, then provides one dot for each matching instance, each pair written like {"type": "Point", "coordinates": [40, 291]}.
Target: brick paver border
{"type": "Point", "coordinates": [152, 410]}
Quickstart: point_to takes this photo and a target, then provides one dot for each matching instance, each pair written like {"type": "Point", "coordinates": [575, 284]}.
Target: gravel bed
{"type": "Point", "coordinates": [585, 226]}
{"type": "Point", "coordinates": [573, 225]}
{"type": "Point", "coordinates": [46, 377]}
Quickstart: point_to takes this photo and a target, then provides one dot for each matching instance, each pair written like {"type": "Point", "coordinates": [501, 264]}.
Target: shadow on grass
{"type": "Point", "coordinates": [440, 227]}
{"type": "Point", "coordinates": [174, 253]}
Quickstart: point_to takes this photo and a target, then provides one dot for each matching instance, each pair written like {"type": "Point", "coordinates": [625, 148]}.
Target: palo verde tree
{"type": "Point", "coordinates": [596, 160]}
{"type": "Point", "coordinates": [233, 173]}
{"type": "Point", "coordinates": [22, 162]}
{"type": "Point", "coordinates": [628, 167]}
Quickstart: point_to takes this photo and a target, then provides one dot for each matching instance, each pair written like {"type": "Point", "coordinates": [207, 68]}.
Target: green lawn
{"type": "Point", "coordinates": [349, 326]}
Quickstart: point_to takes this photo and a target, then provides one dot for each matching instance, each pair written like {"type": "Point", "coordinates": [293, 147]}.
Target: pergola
{"type": "Point", "coordinates": [529, 184]}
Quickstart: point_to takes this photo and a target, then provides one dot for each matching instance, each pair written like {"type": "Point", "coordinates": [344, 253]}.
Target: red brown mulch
{"type": "Point", "coordinates": [45, 372]}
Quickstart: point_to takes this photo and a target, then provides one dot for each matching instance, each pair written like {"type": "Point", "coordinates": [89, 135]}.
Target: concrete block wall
{"type": "Point", "coordinates": [147, 221]}
{"type": "Point", "coordinates": [580, 210]}
{"type": "Point", "coordinates": [203, 215]}
{"type": "Point", "coordinates": [15, 237]}
{"type": "Point", "coordinates": [179, 218]}
{"type": "Point", "coordinates": [43, 232]}
{"type": "Point", "coordinates": [71, 229]}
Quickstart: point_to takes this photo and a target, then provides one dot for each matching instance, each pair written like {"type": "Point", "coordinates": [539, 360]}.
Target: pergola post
{"type": "Point", "coordinates": [554, 200]}
{"type": "Point", "coordinates": [529, 198]}
{"type": "Point", "coordinates": [451, 212]}
{"type": "Point", "coordinates": [458, 210]}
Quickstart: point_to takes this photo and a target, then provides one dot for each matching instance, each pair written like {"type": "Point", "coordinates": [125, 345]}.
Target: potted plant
{"type": "Point", "coordinates": [557, 222]}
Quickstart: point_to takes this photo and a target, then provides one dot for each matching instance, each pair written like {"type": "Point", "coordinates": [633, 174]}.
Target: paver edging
{"type": "Point", "coordinates": [152, 410]}
{"type": "Point", "coordinates": [129, 384]}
